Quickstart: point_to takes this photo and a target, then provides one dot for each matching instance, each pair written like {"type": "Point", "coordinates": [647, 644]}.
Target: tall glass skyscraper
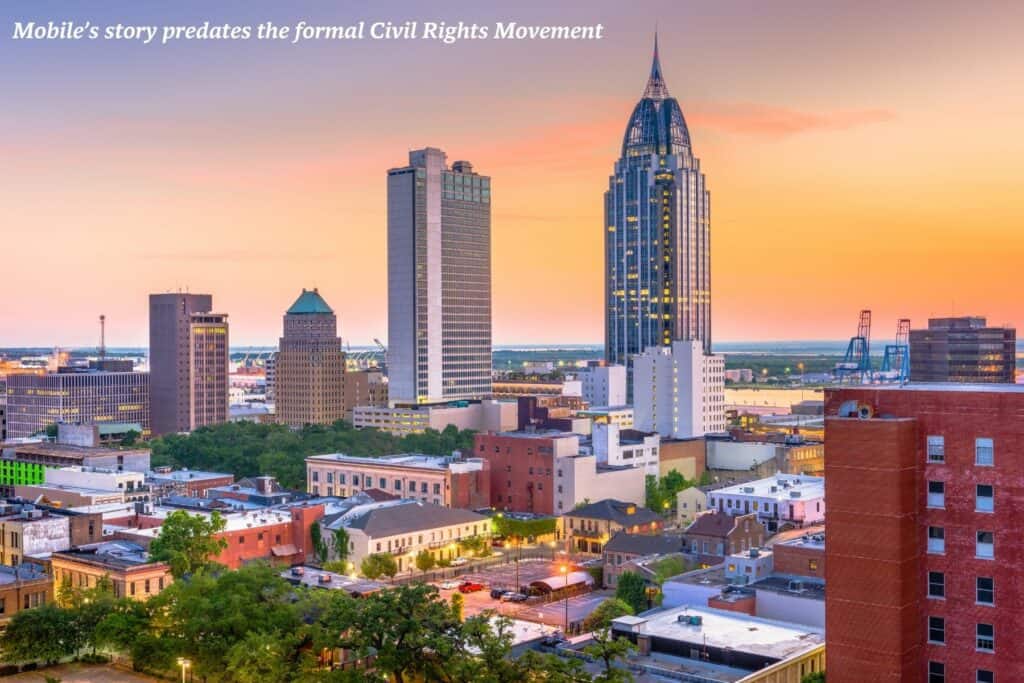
{"type": "Point", "coordinates": [657, 232]}
{"type": "Point", "coordinates": [439, 281]}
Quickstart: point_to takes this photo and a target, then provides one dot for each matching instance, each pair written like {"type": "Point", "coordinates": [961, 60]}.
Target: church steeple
{"type": "Point", "coordinates": [656, 88]}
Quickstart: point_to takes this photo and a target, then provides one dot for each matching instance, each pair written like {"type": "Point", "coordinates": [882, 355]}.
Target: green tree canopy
{"type": "Point", "coordinates": [378, 565]}
{"type": "Point", "coordinates": [602, 616]}
{"type": "Point", "coordinates": [46, 634]}
{"type": "Point", "coordinates": [425, 561]}
{"type": "Point", "coordinates": [632, 590]}
{"type": "Point", "coordinates": [187, 541]}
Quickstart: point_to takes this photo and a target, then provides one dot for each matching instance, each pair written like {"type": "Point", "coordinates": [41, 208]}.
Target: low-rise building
{"type": "Point", "coordinates": [713, 535]}
{"type": "Point", "coordinates": [185, 482]}
{"type": "Point", "coordinates": [779, 502]}
{"type": "Point", "coordinates": [624, 549]}
{"type": "Point", "coordinates": [262, 491]}
{"type": "Point", "coordinates": [621, 416]}
{"type": "Point", "coordinates": [23, 587]}
{"type": "Point", "coordinates": [486, 415]}
{"type": "Point", "coordinates": [451, 481]}
{"type": "Point", "coordinates": [685, 456]}
{"type": "Point", "coordinates": [404, 528]}
{"type": "Point", "coordinates": [28, 531]}
{"type": "Point", "coordinates": [125, 564]}
{"type": "Point", "coordinates": [589, 527]}
{"type": "Point", "coordinates": [603, 384]}
{"type": "Point", "coordinates": [541, 413]}
{"type": "Point", "coordinates": [700, 643]}
{"type": "Point", "coordinates": [625, 447]}
{"type": "Point", "coordinates": [690, 502]}
{"type": "Point", "coordinates": [25, 463]}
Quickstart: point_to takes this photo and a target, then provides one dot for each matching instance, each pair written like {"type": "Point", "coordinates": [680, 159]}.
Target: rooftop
{"type": "Point", "coordinates": [45, 448]}
{"type": "Point", "coordinates": [119, 554]}
{"type": "Point", "coordinates": [23, 572]}
{"type": "Point", "coordinates": [185, 475]}
{"type": "Point", "coordinates": [988, 388]}
{"type": "Point", "coordinates": [797, 585]}
{"type": "Point", "coordinates": [712, 523]}
{"type": "Point", "coordinates": [643, 544]}
{"type": "Point", "coordinates": [781, 487]}
{"type": "Point", "coordinates": [310, 303]}
{"type": "Point", "coordinates": [401, 460]}
{"type": "Point", "coordinates": [719, 629]}
{"type": "Point", "coordinates": [815, 540]}
{"type": "Point", "coordinates": [392, 519]}
{"type": "Point", "coordinates": [626, 514]}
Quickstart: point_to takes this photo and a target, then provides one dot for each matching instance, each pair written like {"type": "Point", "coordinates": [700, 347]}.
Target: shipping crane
{"type": "Point", "coordinates": [857, 361]}
{"type": "Point", "coordinates": [896, 362]}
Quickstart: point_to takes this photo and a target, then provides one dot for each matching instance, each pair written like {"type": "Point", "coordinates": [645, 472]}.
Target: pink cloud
{"type": "Point", "coordinates": [764, 120]}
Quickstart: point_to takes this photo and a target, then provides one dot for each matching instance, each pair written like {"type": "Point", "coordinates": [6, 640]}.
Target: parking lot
{"type": "Point", "coordinates": [504, 577]}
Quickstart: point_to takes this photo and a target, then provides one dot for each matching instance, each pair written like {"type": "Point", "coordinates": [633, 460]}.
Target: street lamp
{"type": "Point", "coordinates": [184, 664]}
{"type": "Point", "coordinates": [565, 622]}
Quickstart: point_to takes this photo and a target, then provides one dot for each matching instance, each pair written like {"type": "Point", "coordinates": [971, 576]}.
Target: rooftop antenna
{"type": "Point", "coordinates": [103, 336]}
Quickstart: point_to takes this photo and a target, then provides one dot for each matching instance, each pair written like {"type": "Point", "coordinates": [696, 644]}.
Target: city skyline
{"type": "Point", "coordinates": [834, 138]}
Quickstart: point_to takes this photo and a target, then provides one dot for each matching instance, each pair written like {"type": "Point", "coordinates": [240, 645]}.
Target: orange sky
{"type": "Point", "coordinates": [857, 155]}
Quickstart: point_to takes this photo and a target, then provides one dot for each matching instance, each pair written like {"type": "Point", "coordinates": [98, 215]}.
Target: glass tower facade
{"type": "Point", "coordinates": [657, 232]}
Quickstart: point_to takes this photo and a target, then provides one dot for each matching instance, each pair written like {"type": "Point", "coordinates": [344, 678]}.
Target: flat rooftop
{"type": "Point", "coordinates": [77, 452]}
{"type": "Point", "coordinates": [186, 475]}
{"type": "Point", "coordinates": [812, 539]}
{"type": "Point", "coordinates": [796, 586]}
{"type": "Point", "coordinates": [985, 388]}
{"type": "Point", "coordinates": [399, 460]}
{"type": "Point", "coordinates": [121, 554]}
{"type": "Point", "coordinates": [721, 629]}
{"type": "Point", "coordinates": [780, 487]}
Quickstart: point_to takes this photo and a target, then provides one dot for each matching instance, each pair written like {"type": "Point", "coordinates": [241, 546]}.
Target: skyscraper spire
{"type": "Point", "coordinates": [656, 88]}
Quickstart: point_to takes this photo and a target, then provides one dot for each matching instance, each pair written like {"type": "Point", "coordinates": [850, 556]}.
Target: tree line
{"type": "Point", "coordinates": [252, 626]}
{"type": "Point", "coordinates": [246, 448]}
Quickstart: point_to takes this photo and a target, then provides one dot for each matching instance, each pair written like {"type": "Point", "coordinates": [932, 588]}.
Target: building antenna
{"type": "Point", "coordinates": [103, 336]}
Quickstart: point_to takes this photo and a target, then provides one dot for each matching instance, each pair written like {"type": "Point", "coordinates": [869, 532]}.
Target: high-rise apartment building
{"type": "Point", "coordinates": [923, 567]}
{"type": "Point", "coordinates": [115, 400]}
{"type": "Point", "coordinates": [310, 370]}
{"type": "Point", "coordinates": [679, 390]}
{"type": "Point", "coordinates": [657, 233]}
{"type": "Point", "coordinates": [172, 346]}
{"type": "Point", "coordinates": [963, 350]}
{"type": "Point", "coordinates": [439, 281]}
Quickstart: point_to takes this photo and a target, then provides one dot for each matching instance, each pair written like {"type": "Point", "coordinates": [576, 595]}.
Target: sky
{"type": "Point", "coordinates": [859, 155]}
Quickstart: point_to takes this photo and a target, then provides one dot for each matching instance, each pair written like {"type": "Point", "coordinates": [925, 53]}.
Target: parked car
{"type": "Point", "coordinates": [498, 592]}
{"type": "Point", "coordinates": [471, 587]}
{"type": "Point", "coordinates": [450, 585]}
{"type": "Point", "coordinates": [513, 597]}
{"type": "Point", "coordinates": [459, 561]}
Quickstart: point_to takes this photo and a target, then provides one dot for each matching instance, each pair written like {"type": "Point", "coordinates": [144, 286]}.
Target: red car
{"type": "Point", "coordinates": [471, 587]}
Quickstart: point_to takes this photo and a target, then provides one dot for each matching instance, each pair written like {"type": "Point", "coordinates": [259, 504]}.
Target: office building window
{"type": "Point", "coordinates": [936, 672]}
{"type": "Point", "coordinates": [985, 548]}
{"type": "Point", "coordinates": [984, 452]}
{"type": "Point", "coordinates": [936, 494]}
{"type": "Point", "coordinates": [936, 585]}
{"type": "Point", "coordinates": [984, 498]}
{"type": "Point", "coordinates": [986, 638]}
{"type": "Point", "coordinates": [985, 590]}
{"type": "Point", "coordinates": [936, 539]}
{"type": "Point", "coordinates": [936, 449]}
{"type": "Point", "coordinates": [936, 630]}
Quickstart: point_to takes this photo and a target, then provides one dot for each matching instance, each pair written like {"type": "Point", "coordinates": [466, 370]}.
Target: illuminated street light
{"type": "Point", "coordinates": [184, 664]}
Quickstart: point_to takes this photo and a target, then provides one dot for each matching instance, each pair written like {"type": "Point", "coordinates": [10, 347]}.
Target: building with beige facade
{"type": "Point", "coordinates": [363, 388]}
{"type": "Point", "coordinates": [23, 587]}
{"type": "Point", "coordinates": [125, 564]}
{"type": "Point", "coordinates": [487, 415]}
{"type": "Point", "coordinates": [441, 480]}
{"type": "Point", "coordinates": [309, 375]}
{"type": "Point", "coordinates": [209, 358]}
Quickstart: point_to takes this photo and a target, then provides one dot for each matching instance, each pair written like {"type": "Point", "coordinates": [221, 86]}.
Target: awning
{"type": "Point", "coordinates": [560, 581]}
{"type": "Point", "coordinates": [284, 550]}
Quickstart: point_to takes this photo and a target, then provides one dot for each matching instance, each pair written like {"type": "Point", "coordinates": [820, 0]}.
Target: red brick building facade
{"type": "Point", "coordinates": [924, 485]}
{"type": "Point", "coordinates": [521, 471]}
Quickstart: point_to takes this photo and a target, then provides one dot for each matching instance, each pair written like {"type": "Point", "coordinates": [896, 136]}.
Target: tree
{"type": "Point", "coordinates": [602, 616]}
{"type": "Point", "coordinates": [425, 561]}
{"type": "Point", "coordinates": [458, 605]}
{"type": "Point", "coordinates": [411, 630]}
{"type": "Point", "coordinates": [378, 565]}
{"type": "Point", "coordinates": [816, 677]}
{"type": "Point", "coordinates": [540, 667]}
{"type": "Point", "coordinates": [632, 590]}
{"type": "Point", "coordinates": [320, 549]}
{"type": "Point", "coordinates": [187, 541]}
{"type": "Point", "coordinates": [339, 544]}
{"type": "Point", "coordinates": [130, 438]}
{"type": "Point", "coordinates": [610, 651]}
{"type": "Point", "coordinates": [45, 634]}
{"type": "Point", "coordinates": [486, 646]}
{"type": "Point", "coordinates": [259, 658]}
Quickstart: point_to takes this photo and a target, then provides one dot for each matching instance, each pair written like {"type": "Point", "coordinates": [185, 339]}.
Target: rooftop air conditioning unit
{"type": "Point", "coordinates": [748, 489]}
{"type": "Point", "coordinates": [325, 578]}
{"type": "Point", "coordinates": [298, 571]}
{"type": "Point", "coordinates": [794, 494]}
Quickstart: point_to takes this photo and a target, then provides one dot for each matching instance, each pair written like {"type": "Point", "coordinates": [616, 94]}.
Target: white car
{"type": "Point", "coordinates": [450, 585]}
{"type": "Point", "coordinates": [459, 561]}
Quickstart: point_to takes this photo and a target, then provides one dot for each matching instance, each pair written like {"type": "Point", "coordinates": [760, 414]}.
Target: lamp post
{"type": "Point", "coordinates": [565, 622]}
{"type": "Point", "coordinates": [184, 664]}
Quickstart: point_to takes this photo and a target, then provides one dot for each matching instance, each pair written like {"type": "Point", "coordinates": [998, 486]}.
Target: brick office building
{"type": "Point", "coordinates": [923, 572]}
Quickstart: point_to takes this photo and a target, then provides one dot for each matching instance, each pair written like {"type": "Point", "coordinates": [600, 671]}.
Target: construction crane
{"type": "Point", "coordinates": [857, 361]}
{"type": "Point", "coordinates": [896, 361]}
